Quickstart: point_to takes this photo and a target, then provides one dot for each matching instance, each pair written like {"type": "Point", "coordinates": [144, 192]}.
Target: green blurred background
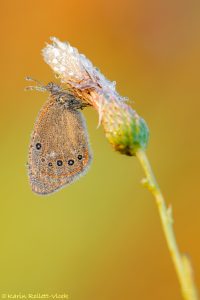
{"type": "Point", "coordinates": [101, 238]}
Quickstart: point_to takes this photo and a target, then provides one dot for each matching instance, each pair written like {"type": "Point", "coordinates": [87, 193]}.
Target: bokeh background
{"type": "Point", "coordinates": [101, 238]}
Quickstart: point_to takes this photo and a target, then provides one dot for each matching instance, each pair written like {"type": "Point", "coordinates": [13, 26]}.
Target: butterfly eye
{"type": "Point", "coordinates": [80, 156]}
{"type": "Point", "coordinates": [50, 164]}
{"type": "Point", "coordinates": [70, 162]}
{"type": "Point", "coordinates": [38, 146]}
{"type": "Point", "coordinates": [59, 163]}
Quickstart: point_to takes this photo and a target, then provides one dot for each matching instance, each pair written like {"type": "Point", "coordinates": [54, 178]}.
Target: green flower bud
{"type": "Point", "coordinates": [124, 128]}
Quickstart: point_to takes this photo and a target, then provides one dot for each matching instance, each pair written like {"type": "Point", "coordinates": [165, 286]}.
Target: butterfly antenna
{"type": "Point", "coordinates": [39, 87]}
{"type": "Point", "coordinates": [29, 78]}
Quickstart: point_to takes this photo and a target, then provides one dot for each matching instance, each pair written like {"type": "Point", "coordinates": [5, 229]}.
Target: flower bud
{"type": "Point", "coordinates": [124, 128]}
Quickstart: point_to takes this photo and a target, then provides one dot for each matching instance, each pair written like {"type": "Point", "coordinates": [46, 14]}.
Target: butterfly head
{"type": "Point", "coordinates": [53, 88]}
{"type": "Point", "coordinates": [59, 94]}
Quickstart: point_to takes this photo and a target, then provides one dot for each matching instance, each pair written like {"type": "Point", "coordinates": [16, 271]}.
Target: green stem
{"type": "Point", "coordinates": [181, 262]}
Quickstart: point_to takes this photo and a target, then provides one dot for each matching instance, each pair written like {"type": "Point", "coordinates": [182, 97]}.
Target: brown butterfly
{"type": "Point", "coordinates": [59, 151]}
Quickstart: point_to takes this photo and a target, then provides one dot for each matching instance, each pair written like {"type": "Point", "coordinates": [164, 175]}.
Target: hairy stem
{"type": "Point", "coordinates": [181, 262]}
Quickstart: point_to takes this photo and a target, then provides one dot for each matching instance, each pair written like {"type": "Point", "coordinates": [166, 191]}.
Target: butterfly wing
{"type": "Point", "coordinates": [59, 150]}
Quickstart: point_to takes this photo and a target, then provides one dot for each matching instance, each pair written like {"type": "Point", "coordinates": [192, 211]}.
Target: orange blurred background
{"type": "Point", "coordinates": [101, 238]}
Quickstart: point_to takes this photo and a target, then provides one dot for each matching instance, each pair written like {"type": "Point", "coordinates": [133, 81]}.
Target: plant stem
{"type": "Point", "coordinates": [181, 262]}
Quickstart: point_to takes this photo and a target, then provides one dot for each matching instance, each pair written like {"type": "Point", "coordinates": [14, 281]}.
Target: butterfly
{"type": "Point", "coordinates": [59, 150]}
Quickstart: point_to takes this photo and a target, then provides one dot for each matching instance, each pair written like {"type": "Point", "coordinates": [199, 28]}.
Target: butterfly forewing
{"type": "Point", "coordinates": [59, 150]}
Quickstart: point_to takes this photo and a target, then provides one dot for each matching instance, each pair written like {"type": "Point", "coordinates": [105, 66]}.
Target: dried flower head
{"type": "Point", "coordinates": [124, 128]}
